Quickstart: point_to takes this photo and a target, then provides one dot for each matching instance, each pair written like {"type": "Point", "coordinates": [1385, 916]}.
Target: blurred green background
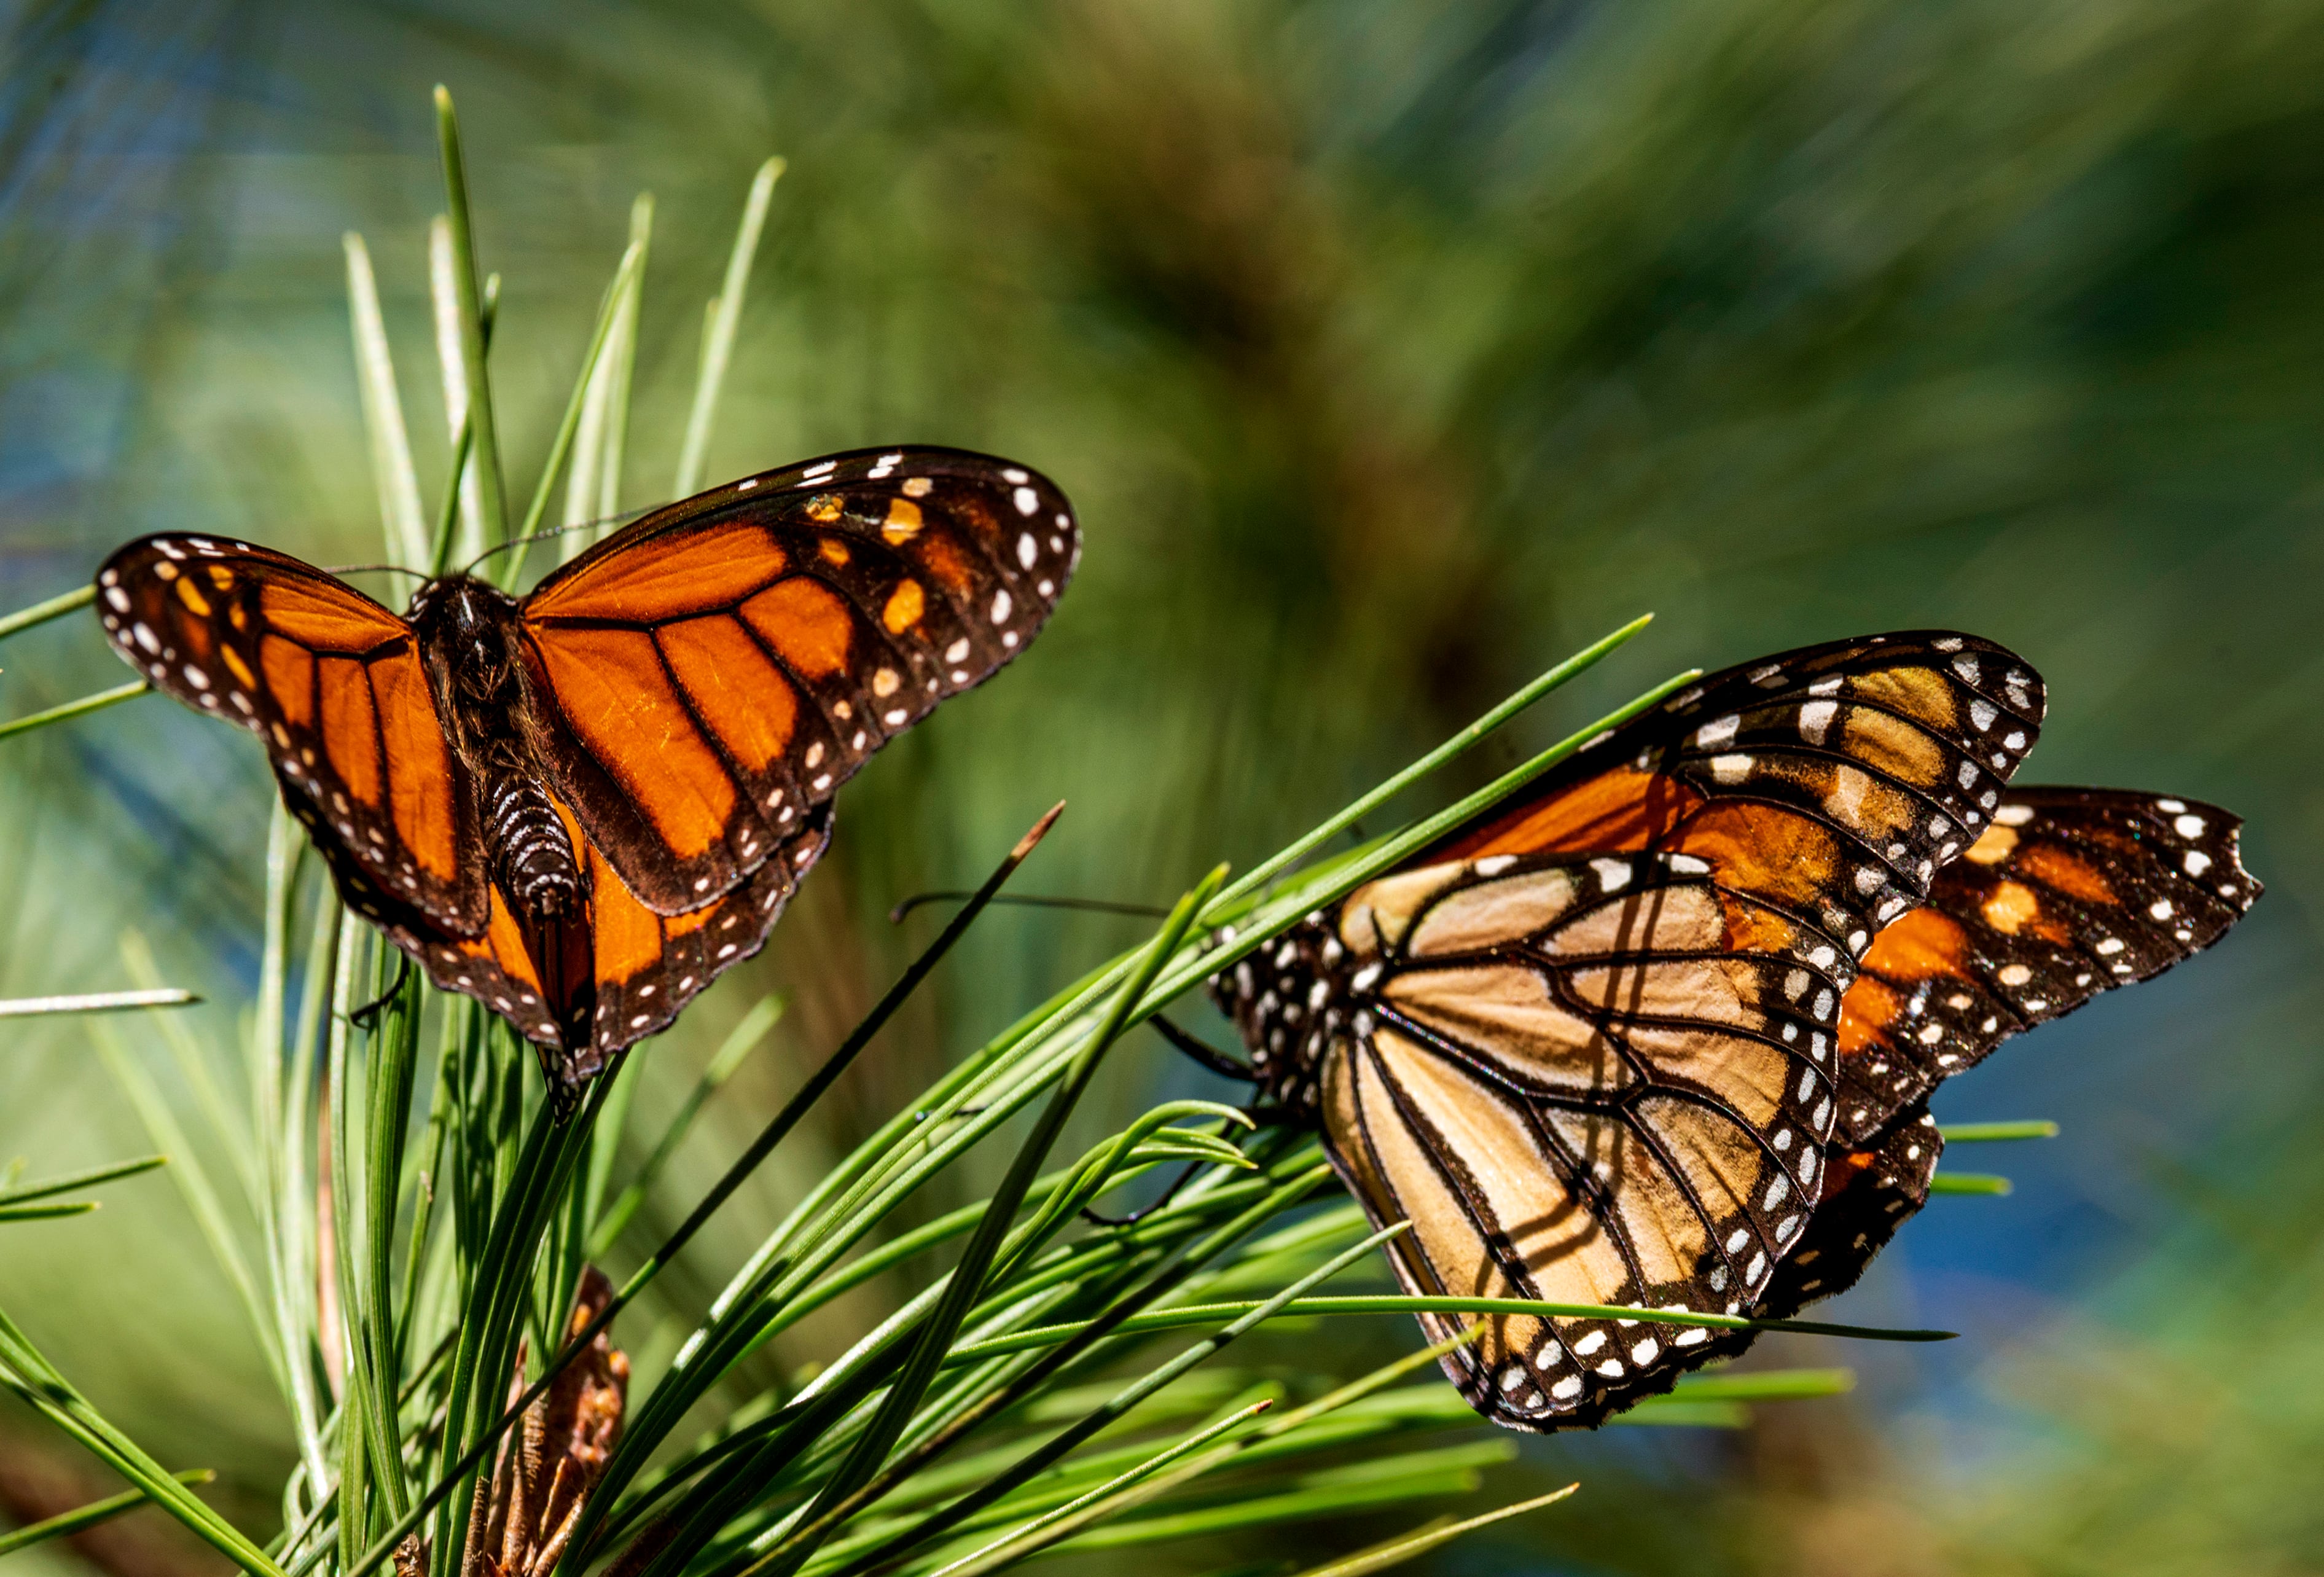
{"type": "Point", "coordinates": [1389, 351]}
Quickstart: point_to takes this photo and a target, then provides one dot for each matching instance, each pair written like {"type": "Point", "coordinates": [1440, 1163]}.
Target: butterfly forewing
{"type": "Point", "coordinates": [333, 683]}
{"type": "Point", "coordinates": [1601, 1081]}
{"type": "Point", "coordinates": [1832, 780]}
{"type": "Point", "coordinates": [718, 670]}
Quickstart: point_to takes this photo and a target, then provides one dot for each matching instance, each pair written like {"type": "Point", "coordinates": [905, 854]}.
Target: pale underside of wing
{"type": "Point", "coordinates": [1599, 1083]}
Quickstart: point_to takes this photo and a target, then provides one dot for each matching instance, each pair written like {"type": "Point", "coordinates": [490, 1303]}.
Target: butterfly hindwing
{"type": "Point", "coordinates": [1868, 1192]}
{"type": "Point", "coordinates": [2068, 892]}
{"type": "Point", "coordinates": [333, 683]}
{"type": "Point", "coordinates": [719, 669]}
{"type": "Point", "coordinates": [648, 966]}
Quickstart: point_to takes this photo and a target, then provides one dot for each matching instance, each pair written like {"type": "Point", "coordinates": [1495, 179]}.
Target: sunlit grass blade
{"type": "Point", "coordinates": [967, 1278]}
{"type": "Point", "coordinates": [740, 1170]}
{"type": "Point", "coordinates": [38, 1384]}
{"type": "Point", "coordinates": [718, 334]}
{"type": "Point", "coordinates": [459, 531]}
{"type": "Point", "coordinates": [608, 311]}
{"type": "Point", "coordinates": [624, 1462]}
{"type": "Point", "coordinates": [1964, 1133]}
{"type": "Point", "coordinates": [1409, 1546]}
{"type": "Point", "coordinates": [88, 1517]}
{"type": "Point", "coordinates": [457, 508]}
{"type": "Point", "coordinates": [1114, 1407]}
{"type": "Point", "coordinates": [48, 1187]}
{"type": "Point", "coordinates": [56, 607]}
{"type": "Point", "coordinates": [593, 484]}
{"type": "Point", "coordinates": [154, 1110]}
{"type": "Point", "coordinates": [1985, 1182]}
{"type": "Point", "coordinates": [1763, 1385]}
{"type": "Point", "coordinates": [401, 518]}
{"type": "Point", "coordinates": [97, 1002]}
{"type": "Point", "coordinates": [72, 709]}
{"type": "Point", "coordinates": [746, 1038]}
{"type": "Point", "coordinates": [467, 293]}
{"type": "Point", "coordinates": [10, 1212]}
{"type": "Point", "coordinates": [1668, 1413]}
{"type": "Point", "coordinates": [1050, 1527]}
{"type": "Point", "coordinates": [229, 1127]}
{"type": "Point", "coordinates": [1362, 1486]}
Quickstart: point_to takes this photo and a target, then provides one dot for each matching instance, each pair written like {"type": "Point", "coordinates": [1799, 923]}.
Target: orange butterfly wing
{"type": "Point", "coordinates": [333, 683]}
{"type": "Point", "coordinates": [712, 674]}
{"type": "Point", "coordinates": [644, 967]}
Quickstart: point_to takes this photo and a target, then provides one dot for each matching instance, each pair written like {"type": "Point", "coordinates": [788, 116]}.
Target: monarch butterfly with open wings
{"type": "Point", "coordinates": [1659, 1031]}
{"type": "Point", "coordinates": [581, 806]}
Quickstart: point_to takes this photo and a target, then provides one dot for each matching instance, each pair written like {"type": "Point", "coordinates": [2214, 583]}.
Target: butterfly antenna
{"type": "Point", "coordinates": [1096, 906]}
{"type": "Point", "coordinates": [347, 569]}
{"type": "Point", "coordinates": [470, 567]}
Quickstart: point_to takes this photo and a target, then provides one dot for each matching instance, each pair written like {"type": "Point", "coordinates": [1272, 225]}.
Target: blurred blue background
{"type": "Point", "coordinates": [1389, 352]}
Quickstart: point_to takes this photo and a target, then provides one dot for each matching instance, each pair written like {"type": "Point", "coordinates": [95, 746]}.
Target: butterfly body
{"type": "Point", "coordinates": [468, 635]}
{"type": "Point", "coordinates": [1659, 1030]}
{"type": "Point", "coordinates": [581, 805]}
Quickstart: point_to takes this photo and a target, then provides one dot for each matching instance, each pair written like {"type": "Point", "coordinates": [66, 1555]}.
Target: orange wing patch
{"type": "Point", "coordinates": [806, 623]}
{"type": "Point", "coordinates": [614, 692]}
{"type": "Point", "coordinates": [1620, 810]}
{"type": "Point", "coordinates": [327, 618]}
{"type": "Point", "coordinates": [692, 692]}
{"type": "Point", "coordinates": [700, 571]}
{"type": "Point", "coordinates": [748, 702]}
{"type": "Point", "coordinates": [351, 729]}
{"type": "Point", "coordinates": [1847, 773]}
{"type": "Point", "coordinates": [807, 616]}
{"type": "Point", "coordinates": [2070, 892]}
{"type": "Point", "coordinates": [290, 671]}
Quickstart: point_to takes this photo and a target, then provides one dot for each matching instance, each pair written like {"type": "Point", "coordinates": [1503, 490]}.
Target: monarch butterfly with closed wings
{"type": "Point", "coordinates": [1660, 1030]}
{"type": "Point", "coordinates": [580, 807]}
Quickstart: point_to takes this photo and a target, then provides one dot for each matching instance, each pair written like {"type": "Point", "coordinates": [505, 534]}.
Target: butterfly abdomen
{"type": "Point", "coordinates": [469, 631]}
{"type": "Point", "coordinates": [532, 858]}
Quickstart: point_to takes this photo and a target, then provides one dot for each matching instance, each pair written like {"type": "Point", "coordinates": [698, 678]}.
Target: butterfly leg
{"type": "Point", "coordinates": [1201, 1052]}
{"type": "Point", "coordinates": [366, 1017]}
{"type": "Point", "coordinates": [1143, 1211]}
